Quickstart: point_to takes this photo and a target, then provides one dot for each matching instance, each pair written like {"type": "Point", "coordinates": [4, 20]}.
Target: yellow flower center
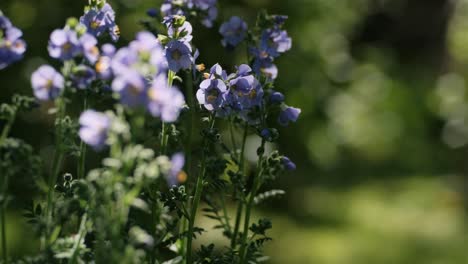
{"type": "Point", "coordinates": [176, 55]}
{"type": "Point", "coordinates": [95, 24]}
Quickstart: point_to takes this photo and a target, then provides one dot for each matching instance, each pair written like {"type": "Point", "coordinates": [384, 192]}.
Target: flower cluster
{"type": "Point", "coordinates": [100, 19]}
{"type": "Point", "coordinates": [12, 47]}
{"type": "Point", "coordinates": [126, 214]}
{"type": "Point", "coordinates": [205, 10]}
{"type": "Point", "coordinates": [273, 41]}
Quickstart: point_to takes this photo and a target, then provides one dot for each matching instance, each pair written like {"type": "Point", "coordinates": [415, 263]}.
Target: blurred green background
{"type": "Point", "coordinates": [381, 145]}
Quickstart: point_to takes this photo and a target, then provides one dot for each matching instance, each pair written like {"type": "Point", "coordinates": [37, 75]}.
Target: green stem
{"type": "Point", "coordinates": [4, 240]}
{"type": "Point", "coordinates": [81, 162]}
{"type": "Point", "coordinates": [197, 197]}
{"type": "Point", "coordinates": [240, 206]}
{"type": "Point", "coordinates": [56, 164]}
{"type": "Point", "coordinates": [196, 201]}
{"type": "Point", "coordinates": [226, 218]}
{"type": "Point", "coordinates": [81, 234]}
{"type": "Point", "coordinates": [255, 186]}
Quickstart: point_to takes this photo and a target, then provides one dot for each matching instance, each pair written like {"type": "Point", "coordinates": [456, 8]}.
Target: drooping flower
{"type": "Point", "coordinates": [288, 114]}
{"type": "Point", "coordinates": [94, 128]}
{"type": "Point", "coordinates": [82, 76]}
{"type": "Point", "coordinates": [89, 46]}
{"type": "Point", "coordinates": [99, 21]}
{"type": "Point", "coordinates": [288, 164]}
{"type": "Point", "coordinates": [233, 31]}
{"type": "Point", "coordinates": [276, 98]}
{"type": "Point", "coordinates": [64, 44]}
{"type": "Point", "coordinates": [176, 174]}
{"type": "Point", "coordinates": [132, 88]}
{"type": "Point", "coordinates": [12, 47]}
{"type": "Point", "coordinates": [178, 55]}
{"type": "Point", "coordinates": [47, 83]}
{"type": "Point", "coordinates": [163, 101]}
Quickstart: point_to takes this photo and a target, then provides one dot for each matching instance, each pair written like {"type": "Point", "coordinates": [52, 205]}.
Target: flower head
{"type": "Point", "coordinates": [163, 101]}
{"type": "Point", "coordinates": [12, 47]}
{"type": "Point", "coordinates": [288, 114]}
{"type": "Point", "coordinates": [233, 31]}
{"type": "Point", "coordinates": [99, 21]}
{"type": "Point", "coordinates": [94, 127]}
{"type": "Point", "coordinates": [178, 55]}
{"type": "Point", "coordinates": [47, 83]}
{"type": "Point", "coordinates": [64, 44]}
{"type": "Point", "coordinates": [212, 94]}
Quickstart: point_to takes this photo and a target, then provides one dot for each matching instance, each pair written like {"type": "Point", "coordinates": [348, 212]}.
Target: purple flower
{"type": "Point", "coordinates": [276, 98]}
{"type": "Point", "coordinates": [103, 65]}
{"type": "Point", "coordinates": [233, 31]}
{"type": "Point", "coordinates": [275, 41]}
{"type": "Point", "coordinates": [82, 76]}
{"type": "Point", "coordinates": [94, 127]}
{"type": "Point", "coordinates": [288, 114]}
{"type": "Point", "coordinates": [47, 83]}
{"type": "Point", "coordinates": [176, 173]}
{"type": "Point", "coordinates": [178, 55]}
{"type": "Point", "coordinates": [99, 21]}
{"type": "Point", "coordinates": [90, 50]}
{"type": "Point", "coordinates": [288, 164]}
{"type": "Point", "coordinates": [132, 88]}
{"type": "Point", "coordinates": [64, 44]}
{"type": "Point", "coordinates": [163, 101]}
{"type": "Point", "coordinates": [12, 47]}
{"type": "Point", "coordinates": [144, 54]}
{"type": "Point", "coordinates": [212, 94]}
